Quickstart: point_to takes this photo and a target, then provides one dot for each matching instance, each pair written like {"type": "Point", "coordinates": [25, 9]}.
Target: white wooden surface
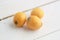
{"type": "Point", "coordinates": [51, 20]}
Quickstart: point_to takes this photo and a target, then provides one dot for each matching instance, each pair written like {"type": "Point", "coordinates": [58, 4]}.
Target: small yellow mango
{"type": "Point", "coordinates": [34, 23]}
{"type": "Point", "coordinates": [19, 19]}
{"type": "Point", "coordinates": [37, 12]}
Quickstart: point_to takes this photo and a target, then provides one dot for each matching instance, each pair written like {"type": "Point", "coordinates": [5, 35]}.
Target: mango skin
{"type": "Point", "coordinates": [38, 12]}
{"type": "Point", "coordinates": [19, 19]}
{"type": "Point", "coordinates": [34, 23]}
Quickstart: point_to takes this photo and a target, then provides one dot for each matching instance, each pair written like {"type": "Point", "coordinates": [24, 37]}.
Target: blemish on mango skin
{"type": "Point", "coordinates": [34, 23]}
{"type": "Point", "coordinates": [16, 22]}
{"type": "Point", "coordinates": [19, 19]}
{"type": "Point", "coordinates": [38, 12]}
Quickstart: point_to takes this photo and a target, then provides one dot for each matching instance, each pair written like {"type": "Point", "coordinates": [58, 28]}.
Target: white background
{"type": "Point", "coordinates": [51, 20]}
